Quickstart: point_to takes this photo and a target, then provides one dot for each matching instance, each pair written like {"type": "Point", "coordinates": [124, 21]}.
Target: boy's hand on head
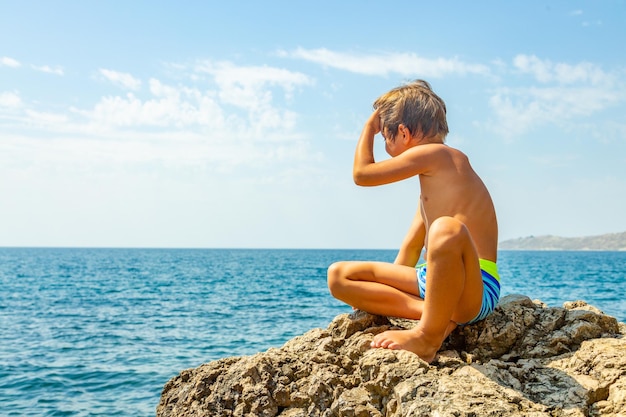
{"type": "Point", "coordinates": [374, 122]}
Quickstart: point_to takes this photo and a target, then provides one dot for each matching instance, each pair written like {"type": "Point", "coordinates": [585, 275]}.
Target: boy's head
{"type": "Point", "coordinates": [417, 107]}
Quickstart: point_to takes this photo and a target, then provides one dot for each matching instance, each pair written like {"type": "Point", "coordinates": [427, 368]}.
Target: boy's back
{"type": "Point", "coordinates": [452, 188]}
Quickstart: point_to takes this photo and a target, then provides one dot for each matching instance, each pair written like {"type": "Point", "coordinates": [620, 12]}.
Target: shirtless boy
{"type": "Point", "coordinates": [455, 224]}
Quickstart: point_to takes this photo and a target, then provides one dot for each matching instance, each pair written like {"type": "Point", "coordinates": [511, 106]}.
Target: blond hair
{"type": "Point", "coordinates": [417, 107]}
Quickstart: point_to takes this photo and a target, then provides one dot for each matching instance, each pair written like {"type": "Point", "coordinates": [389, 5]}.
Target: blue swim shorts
{"type": "Point", "coordinates": [491, 287]}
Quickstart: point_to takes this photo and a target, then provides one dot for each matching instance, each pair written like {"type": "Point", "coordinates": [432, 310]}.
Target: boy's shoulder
{"type": "Point", "coordinates": [443, 148]}
{"type": "Point", "coordinates": [435, 149]}
{"type": "Point", "coordinates": [434, 157]}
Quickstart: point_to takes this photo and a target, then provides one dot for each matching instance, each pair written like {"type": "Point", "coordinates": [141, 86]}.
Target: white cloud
{"type": "Point", "coordinates": [408, 64]}
{"type": "Point", "coordinates": [521, 110]}
{"type": "Point", "coordinates": [168, 107]}
{"type": "Point", "coordinates": [248, 86]}
{"type": "Point", "coordinates": [46, 118]}
{"type": "Point", "coordinates": [251, 88]}
{"type": "Point", "coordinates": [567, 93]}
{"type": "Point", "coordinates": [48, 69]}
{"type": "Point", "coordinates": [5, 61]}
{"type": "Point", "coordinates": [158, 89]}
{"type": "Point", "coordinates": [592, 23]}
{"type": "Point", "coordinates": [242, 104]}
{"type": "Point", "coordinates": [223, 119]}
{"type": "Point", "coordinates": [121, 79]}
{"type": "Point", "coordinates": [227, 73]}
{"type": "Point", "coordinates": [10, 99]}
{"type": "Point", "coordinates": [546, 71]}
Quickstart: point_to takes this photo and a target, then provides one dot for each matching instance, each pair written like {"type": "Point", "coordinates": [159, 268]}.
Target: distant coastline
{"type": "Point", "coordinates": [606, 242]}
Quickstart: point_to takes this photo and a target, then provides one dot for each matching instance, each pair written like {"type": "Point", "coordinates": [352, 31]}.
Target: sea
{"type": "Point", "coordinates": [98, 332]}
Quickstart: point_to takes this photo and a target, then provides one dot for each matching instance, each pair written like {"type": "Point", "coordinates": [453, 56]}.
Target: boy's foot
{"type": "Point", "coordinates": [412, 340]}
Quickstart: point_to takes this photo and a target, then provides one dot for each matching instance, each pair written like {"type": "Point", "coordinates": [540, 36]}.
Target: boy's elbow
{"type": "Point", "coordinates": [359, 178]}
{"type": "Point", "coordinates": [364, 177]}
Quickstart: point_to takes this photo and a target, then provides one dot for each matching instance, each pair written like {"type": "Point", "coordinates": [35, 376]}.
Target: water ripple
{"type": "Point", "coordinates": [98, 332]}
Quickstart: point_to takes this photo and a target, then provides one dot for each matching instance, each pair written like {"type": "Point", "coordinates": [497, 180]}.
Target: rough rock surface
{"type": "Point", "coordinates": [525, 359]}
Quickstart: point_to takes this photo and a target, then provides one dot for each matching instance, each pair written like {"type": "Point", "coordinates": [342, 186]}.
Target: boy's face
{"type": "Point", "coordinates": [392, 145]}
{"type": "Point", "coordinates": [398, 143]}
{"type": "Point", "coordinates": [386, 138]}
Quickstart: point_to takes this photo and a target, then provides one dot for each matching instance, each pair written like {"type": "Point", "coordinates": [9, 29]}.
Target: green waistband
{"type": "Point", "coordinates": [489, 267]}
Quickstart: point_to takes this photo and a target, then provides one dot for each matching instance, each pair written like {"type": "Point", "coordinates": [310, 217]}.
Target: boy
{"type": "Point", "coordinates": [455, 223]}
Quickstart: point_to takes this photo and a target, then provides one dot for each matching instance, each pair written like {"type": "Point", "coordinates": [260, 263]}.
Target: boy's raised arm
{"type": "Point", "coordinates": [364, 154]}
{"type": "Point", "coordinates": [408, 159]}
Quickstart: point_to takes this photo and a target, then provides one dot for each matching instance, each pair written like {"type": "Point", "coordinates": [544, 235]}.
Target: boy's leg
{"type": "Point", "coordinates": [453, 290]}
{"type": "Point", "coordinates": [377, 287]}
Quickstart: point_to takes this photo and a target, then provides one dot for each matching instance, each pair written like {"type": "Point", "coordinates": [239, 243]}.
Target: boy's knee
{"type": "Point", "coordinates": [335, 273]}
{"type": "Point", "coordinates": [447, 232]}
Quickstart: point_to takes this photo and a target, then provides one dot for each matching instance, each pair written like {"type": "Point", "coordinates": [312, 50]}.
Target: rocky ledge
{"type": "Point", "coordinates": [525, 359]}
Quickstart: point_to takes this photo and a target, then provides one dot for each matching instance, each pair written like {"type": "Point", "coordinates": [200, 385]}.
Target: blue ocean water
{"type": "Point", "coordinates": [98, 332]}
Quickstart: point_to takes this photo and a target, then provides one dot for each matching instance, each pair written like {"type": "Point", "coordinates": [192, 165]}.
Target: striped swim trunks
{"type": "Point", "coordinates": [491, 287]}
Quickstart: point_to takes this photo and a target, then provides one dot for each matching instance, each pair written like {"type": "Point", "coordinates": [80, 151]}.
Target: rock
{"type": "Point", "coordinates": [525, 359]}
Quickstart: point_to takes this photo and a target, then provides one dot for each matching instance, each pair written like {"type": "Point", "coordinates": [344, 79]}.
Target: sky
{"type": "Point", "coordinates": [205, 124]}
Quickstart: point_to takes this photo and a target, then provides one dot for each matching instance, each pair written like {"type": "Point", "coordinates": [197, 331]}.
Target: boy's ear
{"type": "Point", "coordinates": [408, 136]}
{"type": "Point", "coordinates": [406, 133]}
